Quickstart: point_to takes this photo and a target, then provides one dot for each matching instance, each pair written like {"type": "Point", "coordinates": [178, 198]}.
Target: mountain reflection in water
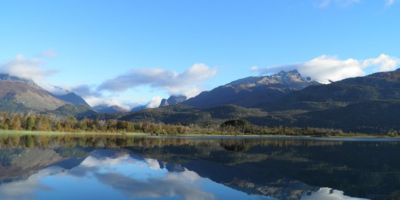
{"type": "Point", "coordinates": [112, 167]}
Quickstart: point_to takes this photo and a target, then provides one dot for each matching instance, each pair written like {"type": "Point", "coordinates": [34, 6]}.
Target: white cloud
{"type": "Point", "coordinates": [91, 161]}
{"type": "Point", "coordinates": [152, 163]}
{"type": "Point", "coordinates": [328, 68]}
{"type": "Point", "coordinates": [187, 83]}
{"type": "Point", "coordinates": [254, 68]}
{"type": "Point", "coordinates": [173, 82]}
{"type": "Point", "coordinates": [31, 69]}
{"type": "Point", "coordinates": [24, 188]}
{"type": "Point", "coordinates": [341, 3]}
{"type": "Point", "coordinates": [154, 102]}
{"type": "Point", "coordinates": [106, 170]}
{"type": "Point", "coordinates": [184, 185]}
{"type": "Point", "coordinates": [328, 194]}
{"type": "Point", "coordinates": [96, 101]}
{"type": "Point", "coordinates": [191, 91]}
{"type": "Point", "coordinates": [325, 69]}
{"type": "Point", "coordinates": [382, 63]}
{"type": "Point", "coordinates": [86, 91]}
{"type": "Point", "coordinates": [95, 98]}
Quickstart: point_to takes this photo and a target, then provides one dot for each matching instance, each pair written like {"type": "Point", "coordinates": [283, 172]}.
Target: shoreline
{"type": "Point", "coordinates": [361, 137]}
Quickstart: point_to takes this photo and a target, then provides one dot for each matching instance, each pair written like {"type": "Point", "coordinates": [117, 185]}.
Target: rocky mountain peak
{"type": "Point", "coordinates": [292, 76]}
{"type": "Point", "coordinates": [173, 100]}
{"type": "Point", "coordinates": [283, 77]}
{"type": "Point", "coordinates": [252, 91]}
{"type": "Point", "coordinates": [7, 77]}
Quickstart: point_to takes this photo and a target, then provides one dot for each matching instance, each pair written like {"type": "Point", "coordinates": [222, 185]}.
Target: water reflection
{"type": "Point", "coordinates": [68, 167]}
{"type": "Point", "coordinates": [328, 194]}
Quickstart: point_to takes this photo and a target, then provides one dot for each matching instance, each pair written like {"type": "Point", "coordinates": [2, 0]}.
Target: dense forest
{"type": "Point", "coordinates": [37, 122]}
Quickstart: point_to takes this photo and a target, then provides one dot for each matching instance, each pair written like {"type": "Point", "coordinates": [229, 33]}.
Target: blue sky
{"type": "Point", "coordinates": [84, 44]}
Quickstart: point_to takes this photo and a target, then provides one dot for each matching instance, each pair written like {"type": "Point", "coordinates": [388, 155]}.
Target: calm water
{"type": "Point", "coordinates": [67, 167]}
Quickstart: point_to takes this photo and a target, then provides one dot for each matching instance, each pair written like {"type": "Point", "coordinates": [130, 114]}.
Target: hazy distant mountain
{"type": "Point", "coordinates": [17, 94]}
{"type": "Point", "coordinates": [72, 98]}
{"type": "Point", "coordinates": [252, 91]}
{"type": "Point", "coordinates": [138, 108]}
{"type": "Point", "coordinates": [109, 109]}
{"type": "Point", "coordinates": [173, 100]}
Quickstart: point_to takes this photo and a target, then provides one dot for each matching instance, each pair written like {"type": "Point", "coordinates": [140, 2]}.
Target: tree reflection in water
{"type": "Point", "coordinates": [197, 168]}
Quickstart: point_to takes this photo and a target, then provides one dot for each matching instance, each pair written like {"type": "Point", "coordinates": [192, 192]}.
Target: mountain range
{"type": "Point", "coordinates": [109, 109]}
{"type": "Point", "coordinates": [368, 104]}
{"type": "Point", "coordinates": [252, 91]}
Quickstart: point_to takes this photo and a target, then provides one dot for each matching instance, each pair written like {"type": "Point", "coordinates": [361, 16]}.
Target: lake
{"type": "Point", "coordinates": [121, 167]}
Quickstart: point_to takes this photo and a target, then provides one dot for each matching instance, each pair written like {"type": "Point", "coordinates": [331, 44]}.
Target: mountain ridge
{"type": "Point", "coordinates": [173, 100]}
{"type": "Point", "coordinates": [72, 98]}
{"type": "Point", "coordinates": [24, 95]}
{"type": "Point", "coordinates": [109, 109]}
{"type": "Point", "coordinates": [252, 91]}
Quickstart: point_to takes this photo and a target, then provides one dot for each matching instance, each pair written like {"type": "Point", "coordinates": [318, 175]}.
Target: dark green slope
{"type": "Point", "coordinates": [183, 114]}
{"type": "Point", "coordinates": [378, 86]}
{"type": "Point", "coordinates": [233, 112]}
{"type": "Point", "coordinates": [73, 110]}
{"type": "Point", "coordinates": [367, 117]}
{"type": "Point", "coordinates": [169, 114]}
{"type": "Point", "coordinates": [367, 104]}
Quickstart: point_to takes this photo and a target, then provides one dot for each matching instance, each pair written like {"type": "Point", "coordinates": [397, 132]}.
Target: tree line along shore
{"type": "Point", "coordinates": [54, 123]}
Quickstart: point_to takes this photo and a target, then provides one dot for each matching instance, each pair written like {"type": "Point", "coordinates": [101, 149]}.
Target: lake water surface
{"type": "Point", "coordinates": [112, 167]}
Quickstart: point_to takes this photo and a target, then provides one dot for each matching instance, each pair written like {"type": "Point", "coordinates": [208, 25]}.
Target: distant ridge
{"type": "Point", "coordinates": [109, 109]}
{"type": "Point", "coordinates": [252, 91]}
{"type": "Point", "coordinates": [72, 98]}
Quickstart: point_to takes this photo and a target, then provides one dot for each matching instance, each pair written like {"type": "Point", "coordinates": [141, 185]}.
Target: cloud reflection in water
{"type": "Point", "coordinates": [185, 185]}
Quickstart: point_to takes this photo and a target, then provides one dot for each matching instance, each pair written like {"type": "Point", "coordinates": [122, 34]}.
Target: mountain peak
{"type": "Point", "coordinates": [283, 77]}
{"type": "Point", "coordinates": [18, 94]}
{"type": "Point", "coordinates": [172, 100]}
{"type": "Point", "coordinates": [295, 72]}
{"type": "Point", "coordinates": [252, 91]}
{"type": "Point", "coordinates": [7, 77]}
{"type": "Point", "coordinates": [293, 76]}
{"type": "Point", "coordinates": [72, 98]}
